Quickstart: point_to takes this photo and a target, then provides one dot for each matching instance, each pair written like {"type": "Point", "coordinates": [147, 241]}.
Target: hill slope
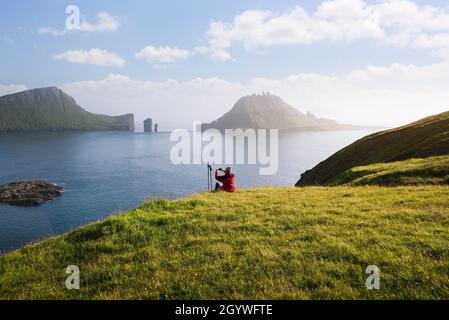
{"type": "Point", "coordinates": [269, 243]}
{"type": "Point", "coordinates": [430, 171]}
{"type": "Point", "coordinates": [269, 112]}
{"type": "Point", "coordinates": [425, 138]}
{"type": "Point", "coordinates": [50, 109]}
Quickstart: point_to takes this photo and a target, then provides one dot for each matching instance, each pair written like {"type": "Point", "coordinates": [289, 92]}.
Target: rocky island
{"type": "Point", "coordinates": [29, 193]}
{"type": "Point", "coordinates": [267, 111]}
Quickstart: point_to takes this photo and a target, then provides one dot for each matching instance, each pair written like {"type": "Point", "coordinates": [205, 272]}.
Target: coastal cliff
{"type": "Point", "coordinates": [51, 109]}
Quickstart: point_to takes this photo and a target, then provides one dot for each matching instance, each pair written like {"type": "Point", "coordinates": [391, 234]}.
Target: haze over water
{"type": "Point", "coordinates": [107, 172]}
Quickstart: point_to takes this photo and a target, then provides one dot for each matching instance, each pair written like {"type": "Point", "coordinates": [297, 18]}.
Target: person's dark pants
{"type": "Point", "coordinates": [217, 187]}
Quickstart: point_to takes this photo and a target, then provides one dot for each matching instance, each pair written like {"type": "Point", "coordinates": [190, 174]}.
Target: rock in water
{"type": "Point", "coordinates": [29, 193]}
{"type": "Point", "coordinates": [148, 125]}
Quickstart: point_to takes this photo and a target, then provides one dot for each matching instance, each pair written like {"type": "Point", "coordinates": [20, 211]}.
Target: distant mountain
{"type": "Point", "coordinates": [50, 109]}
{"type": "Point", "coordinates": [422, 139]}
{"type": "Point", "coordinates": [268, 111]}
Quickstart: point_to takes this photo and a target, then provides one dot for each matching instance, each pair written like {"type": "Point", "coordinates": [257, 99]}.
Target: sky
{"type": "Point", "coordinates": [376, 63]}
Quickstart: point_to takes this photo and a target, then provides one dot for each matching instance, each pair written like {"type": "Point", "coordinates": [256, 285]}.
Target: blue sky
{"type": "Point", "coordinates": [166, 23]}
{"type": "Point", "coordinates": [254, 46]}
{"type": "Point", "coordinates": [160, 23]}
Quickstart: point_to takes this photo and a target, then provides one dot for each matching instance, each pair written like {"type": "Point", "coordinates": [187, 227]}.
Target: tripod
{"type": "Point", "coordinates": [209, 178]}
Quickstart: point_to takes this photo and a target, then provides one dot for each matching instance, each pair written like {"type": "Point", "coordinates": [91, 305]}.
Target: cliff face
{"type": "Point", "coordinates": [269, 112]}
{"type": "Point", "coordinates": [50, 109]}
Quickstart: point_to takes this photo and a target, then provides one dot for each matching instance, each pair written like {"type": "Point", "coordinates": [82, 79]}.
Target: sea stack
{"type": "Point", "coordinates": [148, 125]}
{"type": "Point", "coordinates": [156, 128]}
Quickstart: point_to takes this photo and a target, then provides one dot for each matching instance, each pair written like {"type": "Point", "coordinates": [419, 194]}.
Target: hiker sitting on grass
{"type": "Point", "coordinates": [228, 180]}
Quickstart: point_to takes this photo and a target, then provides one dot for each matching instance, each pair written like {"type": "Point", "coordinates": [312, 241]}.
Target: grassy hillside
{"type": "Point", "coordinates": [425, 138]}
{"type": "Point", "coordinates": [433, 171]}
{"type": "Point", "coordinates": [292, 243]}
{"type": "Point", "coordinates": [50, 109]}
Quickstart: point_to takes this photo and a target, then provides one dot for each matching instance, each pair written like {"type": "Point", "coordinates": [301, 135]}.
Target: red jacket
{"type": "Point", "coordinates": [228, 181]}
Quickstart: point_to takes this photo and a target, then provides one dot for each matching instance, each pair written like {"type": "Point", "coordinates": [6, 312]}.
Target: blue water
{"type": "Point", "coordinates": [107, 172]}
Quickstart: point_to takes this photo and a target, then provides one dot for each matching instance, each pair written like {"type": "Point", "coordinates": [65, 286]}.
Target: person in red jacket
{"type": "Point", "coordinates": [228, 180]}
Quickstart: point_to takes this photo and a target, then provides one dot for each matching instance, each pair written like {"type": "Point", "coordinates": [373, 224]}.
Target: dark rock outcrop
{"type": "Point", "coordinates": [51, 109]}
{"type": "Point", "coordinates": [148, 125]}
{"type": "Point", "coordinates": [29, 193]}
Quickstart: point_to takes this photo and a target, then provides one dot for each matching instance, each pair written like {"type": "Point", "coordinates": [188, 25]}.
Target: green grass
{"type": "Point", "coordinates": [428, 137]}
{"type": "Point", "coordinates": [50, 109]}
{"type": "Point", "coordinates": [432, 171]}
{"type": "Point", "coordinates": [269, 243]}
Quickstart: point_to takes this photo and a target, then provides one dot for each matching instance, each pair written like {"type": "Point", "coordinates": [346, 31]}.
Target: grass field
{"type": "Point", "coordinates": [428, 137]}
{"type": "Point", "coordinates": [269, 243]}
{"type": "Point", "coordinates": [431, 171]}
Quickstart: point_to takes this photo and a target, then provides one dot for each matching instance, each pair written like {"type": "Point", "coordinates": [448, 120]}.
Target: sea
{"type": "Point", "coordinates": [106, 173]}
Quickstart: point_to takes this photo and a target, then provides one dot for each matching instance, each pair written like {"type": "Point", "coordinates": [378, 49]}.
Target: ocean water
{"type": "Point", "coordinates": [108, 172]}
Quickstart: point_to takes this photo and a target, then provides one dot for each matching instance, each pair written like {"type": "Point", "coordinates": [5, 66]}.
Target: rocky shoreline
{"type": "Point", "coordinates": [29, 193]}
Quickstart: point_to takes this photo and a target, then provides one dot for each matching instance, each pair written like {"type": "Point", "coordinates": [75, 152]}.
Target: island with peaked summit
{"type": "Point", "coordinates": [267, 111]}
{"type": "Point", "coordinates": [51, 109]}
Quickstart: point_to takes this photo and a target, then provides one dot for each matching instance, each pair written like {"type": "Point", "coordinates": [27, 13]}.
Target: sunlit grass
{"type": "Point", "coordinates": [434, 170]}
{"type": "Point", "coordinates": [269, 243]}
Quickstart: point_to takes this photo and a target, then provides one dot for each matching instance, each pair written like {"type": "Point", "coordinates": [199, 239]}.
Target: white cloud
{"type": "Point", "coordinates": [11, 88]}
{"type": "Point", "coordinates": [6, 39]}
{"type": "Point", "coordinates": [214, 53]}
{"type": "Point", "coordinates": [95, 56]}
{"type": "Point", "coordinates": [105, 23]}
{"type": "Point", "coordinates": [398, 22]}
{"type": "Point", "coordinates": [389, 95]}
{"type": "Point", "coordinates": [162, 55]}
{"type": "Point", "coordinates": [171, 103]}
{"type": "Point", "coordinates": [385, 95]}
{"type": "Point", "coordinates": [51, 31]}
